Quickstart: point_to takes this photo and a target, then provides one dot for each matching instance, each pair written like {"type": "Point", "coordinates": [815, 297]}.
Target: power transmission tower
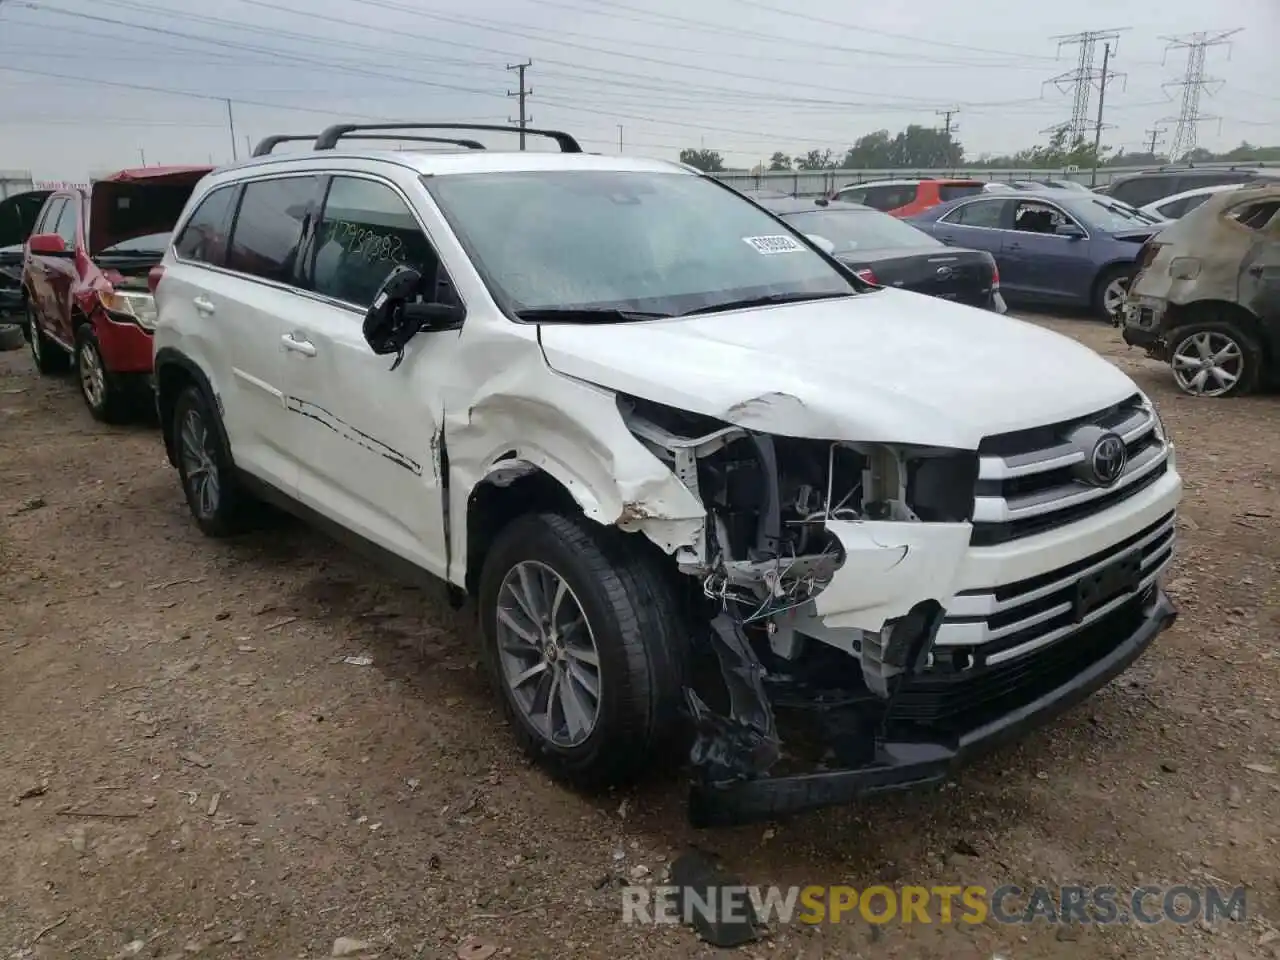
{"type": "Point", "coordinates": [1193, 83]}
{"type": "Point", "coordinates": [1154, 133]}
{"type": "Point", "coordinates": [523, 94]}
{"type": "Point", "coordinates": [949, 128]}
{"type": "Point", "coordinates": [1080, 80]}
{"type": "Point", "coordinates": [1104, 78]}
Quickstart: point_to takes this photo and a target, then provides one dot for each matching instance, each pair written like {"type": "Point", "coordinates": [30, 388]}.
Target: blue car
{"type": "Point", "coordinates": [1063, 247]}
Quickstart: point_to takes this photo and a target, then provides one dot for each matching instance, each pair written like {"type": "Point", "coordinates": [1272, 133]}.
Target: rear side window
{"type": "Point", "coordinates": [269, 228]}
{"type": "Point", "coordinates": [853, 195]}
{"type": "Point", "coordinates": [1139, 191]}
{"type": "Point", "coordinates": [204, 237]}
{"type": "Point", "coordinates": [365, 232]}
{"type": "Point", "coordinates": [890, 198]}
{"type": "Point", "coordinates": [66, 227]}
{"type": "Point", "coordinates": [1176, 208]}
{"type": "Point", "coordinates": [982, 213]}
{"type": "Point", "coordinates": [1256, 216]}
{"type": "Point", "coordinates": [954, 191]}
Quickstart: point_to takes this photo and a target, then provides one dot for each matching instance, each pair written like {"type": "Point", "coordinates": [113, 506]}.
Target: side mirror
{"type": "Point", "coordinates": [48, 245]}
{"type": "Point", "coordinates": [819, 241]}
{"type": "Point", "coordinates": [395, 316]}
{"type": "Point", "coordinates": [1070, 231]}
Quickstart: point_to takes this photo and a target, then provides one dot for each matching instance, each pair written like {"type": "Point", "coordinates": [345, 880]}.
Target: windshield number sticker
{"type": "Point", "coordinates": [771, 245]}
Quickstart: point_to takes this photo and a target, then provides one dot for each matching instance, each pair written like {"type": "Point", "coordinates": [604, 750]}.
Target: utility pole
{"type": "Point", "coordinates": [523, 94]}
{"type": "Point", "coordinates": [143, 155]}
{"type": "Point", "coordinates": [619, 139]}
{"type": "Point", "coordinates": [1192, 83]}
{"type": "Point", "coordinates": [231, 122]}
{"type": "Point", "coordinates": [948, 128]}
{"type": "Point", "coordinates": [1080, 81]}
{"type": "Point", "coordinates": [1154, 133]}
{"type": "Point", "coordinates": [1102, 99]}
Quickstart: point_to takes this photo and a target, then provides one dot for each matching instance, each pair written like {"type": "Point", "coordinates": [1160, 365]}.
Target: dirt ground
{"type": "Point", "coordinates": [189, 767]}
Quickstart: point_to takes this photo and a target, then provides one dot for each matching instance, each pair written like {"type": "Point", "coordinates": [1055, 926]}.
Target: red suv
{"type": "Point", "coordinates": [906, 198]}
{"type": "Point", "coordinates": [84, 279]}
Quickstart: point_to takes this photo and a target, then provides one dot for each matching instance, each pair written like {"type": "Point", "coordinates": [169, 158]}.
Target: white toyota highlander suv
{"type": "Point", "coordinates": [708, 489]}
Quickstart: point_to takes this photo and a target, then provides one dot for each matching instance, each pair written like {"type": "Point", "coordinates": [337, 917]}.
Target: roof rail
{"type": "Point", "coordinates": [329, 138]}
{"type": "Point", "coordinates": [266, 145]}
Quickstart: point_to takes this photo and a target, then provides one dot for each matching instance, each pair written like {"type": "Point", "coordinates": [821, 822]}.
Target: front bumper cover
{"type": "Point", "coordinates": [903, 765]}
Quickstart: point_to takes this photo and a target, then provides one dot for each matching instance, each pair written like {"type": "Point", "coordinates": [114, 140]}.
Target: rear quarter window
{"type": "Point", "coordinates": [954, 191]}
{"type": "Point", "coordinates": [204, 236]}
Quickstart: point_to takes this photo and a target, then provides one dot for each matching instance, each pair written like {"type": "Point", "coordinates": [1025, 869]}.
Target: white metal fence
{"type": "Point", "coordinates": [816, 183]}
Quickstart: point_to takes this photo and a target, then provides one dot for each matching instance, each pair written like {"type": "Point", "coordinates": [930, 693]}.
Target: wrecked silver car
{"type": "Point", "coordinates": [1207, 299]}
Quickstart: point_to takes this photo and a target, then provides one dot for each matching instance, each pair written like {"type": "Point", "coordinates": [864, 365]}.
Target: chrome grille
{"type": "Point", "coordinates": [1036, 480]}
{"type": "Point", "coordinates": [988, 627]}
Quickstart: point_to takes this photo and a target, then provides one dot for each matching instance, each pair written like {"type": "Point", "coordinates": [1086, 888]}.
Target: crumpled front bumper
{"type": "Point", "coordinates": [902, 764]}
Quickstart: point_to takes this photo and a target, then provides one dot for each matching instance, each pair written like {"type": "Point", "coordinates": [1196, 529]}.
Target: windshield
{"type": "Point", "coordinates": [1110, 215]}
{"type": "Point", "coordinates": [152, 243]}
{"type": "Point", "coordinates": [850, 230]}
{"type": "Point", "coordinates": [639, 242]}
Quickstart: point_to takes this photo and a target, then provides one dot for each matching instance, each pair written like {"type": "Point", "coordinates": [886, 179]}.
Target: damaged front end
{"type": "Point", "coordinates": [825, 571]}
{"type": "Point", "coordinates": [824, 567]}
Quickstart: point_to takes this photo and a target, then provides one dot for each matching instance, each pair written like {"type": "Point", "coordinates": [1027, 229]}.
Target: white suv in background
{"type": "Point", "coordinates": [650, 428]}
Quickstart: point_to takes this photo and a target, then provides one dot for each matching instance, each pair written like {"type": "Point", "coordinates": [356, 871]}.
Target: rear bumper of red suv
{"type": "Point", "coordinates": [126, 346]}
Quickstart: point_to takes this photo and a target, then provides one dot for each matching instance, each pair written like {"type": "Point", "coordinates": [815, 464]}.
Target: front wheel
{"type": "Point", "coordinates": [1214, 359]}
{"type": "Point", "coordinates": [103, 392]}
{"type": "Point", "coordinates": [584, 641]}
{"type": "Point", "coordinates": [1110, 292]}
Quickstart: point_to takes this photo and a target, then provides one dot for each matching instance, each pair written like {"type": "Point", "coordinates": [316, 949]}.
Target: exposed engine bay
{"type": "Point", "coordinates": [768, 552]}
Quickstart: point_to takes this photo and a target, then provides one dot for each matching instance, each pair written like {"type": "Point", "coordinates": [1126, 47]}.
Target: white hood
{"type": "Point", "coordinates": [888, 366]}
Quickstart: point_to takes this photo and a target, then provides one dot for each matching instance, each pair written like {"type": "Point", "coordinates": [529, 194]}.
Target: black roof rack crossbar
{"type": "Point", "coordinates": [329, 138]}
{"type": "Point", "coordinates": [268, 144]}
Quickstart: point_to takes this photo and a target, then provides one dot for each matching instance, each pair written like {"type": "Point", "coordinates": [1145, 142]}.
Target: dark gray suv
{"type": "Point", "coordinates": [1139, 189]}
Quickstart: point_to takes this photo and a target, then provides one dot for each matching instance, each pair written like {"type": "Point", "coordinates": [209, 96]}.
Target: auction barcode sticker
{"type": "Point", "coordinates": [771, 245]}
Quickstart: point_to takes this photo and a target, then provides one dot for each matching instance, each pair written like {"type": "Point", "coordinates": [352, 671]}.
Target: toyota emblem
{"type": "Point", "coordinates": [1108, 459]}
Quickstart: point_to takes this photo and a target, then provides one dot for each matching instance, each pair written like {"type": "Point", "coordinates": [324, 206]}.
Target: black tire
{"type": "Point", "coordinates": [107, 398]}
{"type": "Point", "coordinates": [1249, 368]}
{"type": "Point", "coordinates": [639, 635]}
{"type": "Point", "coordinates": [48, 357]}
{"type": "Point", "coordinates": [1123, 273]}
{"type": "Point", "coordinates": [230, 509]}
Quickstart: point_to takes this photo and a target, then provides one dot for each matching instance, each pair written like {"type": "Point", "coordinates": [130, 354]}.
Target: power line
{"type": "Point", "coordinates": [1080, 81]}
{"type": "Point", "coordinates": [523, 94]}
{"type": "Point", "coordinates": [1193, 83]}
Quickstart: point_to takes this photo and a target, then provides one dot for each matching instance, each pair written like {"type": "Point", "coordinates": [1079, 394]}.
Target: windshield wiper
{"type": "Point", "coordinates": [587, 315]}
{"type": "Point", "coordinates": [764, 301]}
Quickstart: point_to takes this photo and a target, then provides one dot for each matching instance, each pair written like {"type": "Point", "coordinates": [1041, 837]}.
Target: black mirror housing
{"type": "Point", "coordinates": [396, 316]}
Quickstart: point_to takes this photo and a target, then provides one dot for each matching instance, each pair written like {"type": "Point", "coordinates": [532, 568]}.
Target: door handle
{"type": "Point", "coordinates": [304, 347]}
{"type": "Point", "coordinates": [204, 305]}
{"type": "Point", "coordinates": [948, 240]}
{"type": "Point", "coordinates": [1014, 246]}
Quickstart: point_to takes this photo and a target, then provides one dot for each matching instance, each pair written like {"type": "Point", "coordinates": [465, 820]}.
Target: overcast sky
{"type": "Point", "coordinates": [94, 85]}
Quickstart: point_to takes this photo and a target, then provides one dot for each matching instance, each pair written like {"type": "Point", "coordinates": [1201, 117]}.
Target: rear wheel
{"type": "Point", "coordinates": [1214, 358]}
{"type": "Point", "coordinates": [47, 355]}
{"type": "Point", "coordinates": [220, 506]}
{"type": "Point", "coordinates": [583, 639]}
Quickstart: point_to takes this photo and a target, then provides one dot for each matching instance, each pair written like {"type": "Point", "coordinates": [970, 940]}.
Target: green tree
{"type": "Point", "coordinates": [815, 160]}
{"type": "Point", "coordinates": [708, 161]}
{"type": "Point", "coordinates": [869, 152]}
{"type": "Point", "coordinates": [779, 161]}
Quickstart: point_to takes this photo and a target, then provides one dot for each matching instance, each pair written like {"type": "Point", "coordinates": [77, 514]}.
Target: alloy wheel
{"type": "Point", "coordinates": [548, 653]}
{"type": "Point", "coordinates": [199, 468]}
{"type": "Point", "coordinates": [93, 377]}
{"type": "Point", "coordinates": [1208, 364]}
{"type": "Point", "coordinates": [33, 336]}
{"type": "Point", "coordinates": [1114, 294]}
